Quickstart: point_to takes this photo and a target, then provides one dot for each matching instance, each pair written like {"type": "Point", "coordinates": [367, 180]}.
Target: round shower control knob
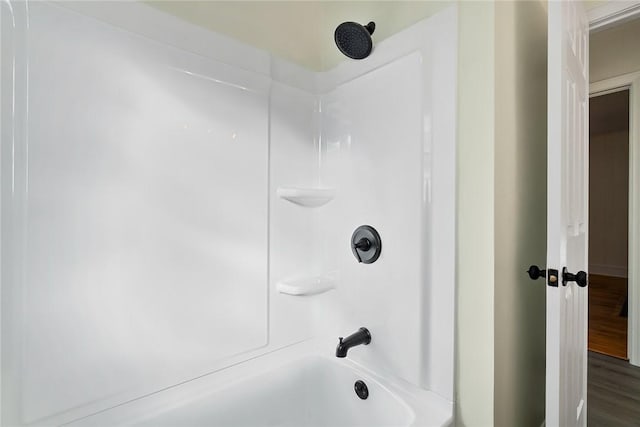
{"type": "Point", "coordinates": [366, 244]}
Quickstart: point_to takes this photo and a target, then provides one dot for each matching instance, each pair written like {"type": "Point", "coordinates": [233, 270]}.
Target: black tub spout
{"type": "Point", "coordinates": [361, 336]}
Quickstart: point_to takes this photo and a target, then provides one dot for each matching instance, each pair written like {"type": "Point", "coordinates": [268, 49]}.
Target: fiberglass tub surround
{"type": "Point", "coordinates": [177, 215]}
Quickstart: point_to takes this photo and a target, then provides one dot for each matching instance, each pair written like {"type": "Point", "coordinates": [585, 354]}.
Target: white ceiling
{"type": "Point", "coordinates": [300, 31]}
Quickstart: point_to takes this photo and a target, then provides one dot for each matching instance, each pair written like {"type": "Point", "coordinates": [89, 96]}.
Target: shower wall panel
{"type": "Point", "coordinates": [388, 147]}
{"type": "Point", "coordinates": [293, 250]}
{"type": "Point", "coordinates": [139, 210]}
{"type": "Point", "coordinates": [374, 155]}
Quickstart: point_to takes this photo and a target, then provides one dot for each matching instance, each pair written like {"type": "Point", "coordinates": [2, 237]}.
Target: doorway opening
{"type": "Point", "coordinates": [613, 383]}
{"type": "Point", "coordinates": [613, 374]}
{"type": "Point", "coordinates": [608, 223]}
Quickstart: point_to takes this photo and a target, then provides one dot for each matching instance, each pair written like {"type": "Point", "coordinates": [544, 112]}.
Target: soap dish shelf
{"type": "Point", "coordinates": [306, 286]}
{"type": "Point", "coordinates": [307, 197]}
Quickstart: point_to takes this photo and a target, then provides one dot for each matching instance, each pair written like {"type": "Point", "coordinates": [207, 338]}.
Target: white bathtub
{"type": "Point", "coordinates": [303, 389]}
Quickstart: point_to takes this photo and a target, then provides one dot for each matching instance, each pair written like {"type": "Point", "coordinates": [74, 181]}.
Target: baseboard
{"type": "Point", "coordinates": [608, 270]}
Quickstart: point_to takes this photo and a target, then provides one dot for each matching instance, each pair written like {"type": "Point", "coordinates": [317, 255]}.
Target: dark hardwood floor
{"type": "Point", "coordinates": [607, 327]}
{"type": "Point", "coordinates": [613, 392]}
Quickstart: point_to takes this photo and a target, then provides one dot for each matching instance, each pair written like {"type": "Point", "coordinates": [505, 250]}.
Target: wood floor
{"type": "Point", "coordinates": [607, 328]}
{"type": "Point", "coordinates": [613, 384]}
{"type": "Point", "coordinates": [613, 398]}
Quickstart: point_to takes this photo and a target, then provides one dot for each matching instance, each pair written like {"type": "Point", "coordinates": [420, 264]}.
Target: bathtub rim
{"type": "Point", "coordinates": [425, 408]}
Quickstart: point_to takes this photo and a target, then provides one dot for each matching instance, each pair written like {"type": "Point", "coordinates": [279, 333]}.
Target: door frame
{"type": "Point", "coordinates": [612, 13]}
{"type": "Point", "coordinates": [630, 82]}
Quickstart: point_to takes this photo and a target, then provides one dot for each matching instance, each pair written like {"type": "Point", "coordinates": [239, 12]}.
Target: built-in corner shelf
{"type": "Point", "coordinates": [306, 286]}
{"type": "Point", "coordinates": [308, 197]}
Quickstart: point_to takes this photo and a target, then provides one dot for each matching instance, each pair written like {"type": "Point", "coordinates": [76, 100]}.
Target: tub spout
{"type": "Point", "coordinates": [361, 336]}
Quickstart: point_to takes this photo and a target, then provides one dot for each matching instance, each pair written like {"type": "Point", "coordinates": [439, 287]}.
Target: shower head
{"type": "Point", "coordinates": [354, 40]}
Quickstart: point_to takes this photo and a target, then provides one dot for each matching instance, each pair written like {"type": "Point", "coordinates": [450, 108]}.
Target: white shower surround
{"type": "Point", "coordinates": [378, 133]}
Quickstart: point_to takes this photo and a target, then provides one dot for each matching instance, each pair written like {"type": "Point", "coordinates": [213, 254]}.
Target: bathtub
{"type": "Point", "coordinates": [294, 387]}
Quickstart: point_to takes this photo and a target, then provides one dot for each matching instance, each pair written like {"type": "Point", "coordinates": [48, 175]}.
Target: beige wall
{"type": "Point", "coordinates": [608, 203]}
{"type": "Point", "coordinates": [520, 212]}
{"type": "Point", "coordinates": [592, 4]}
{"type": "Point", "coordinates": [286, 29]}
{"type": "Point", "coordinates": [299, 31]}
{"type": "Point", "coordinates": [615, 51]}
{"type": "Point", "coordinates": [501, 213]}
{"type": "Point", "coordinates": [475, 257]}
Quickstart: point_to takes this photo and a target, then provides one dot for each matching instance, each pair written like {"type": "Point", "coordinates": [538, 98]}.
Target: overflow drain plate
{"type": "Point", "coordinates": [361, 389]}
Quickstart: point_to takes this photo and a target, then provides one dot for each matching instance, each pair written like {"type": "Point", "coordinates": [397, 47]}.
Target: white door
{"type": "Point", "coordinates": [567, 214]}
